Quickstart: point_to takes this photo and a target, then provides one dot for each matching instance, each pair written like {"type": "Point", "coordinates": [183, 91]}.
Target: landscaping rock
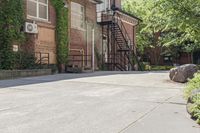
{"type": "Point", "coordinates": [182, 73]}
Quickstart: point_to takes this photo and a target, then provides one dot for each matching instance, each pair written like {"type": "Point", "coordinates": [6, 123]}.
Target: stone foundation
{"type": "Point", "coordinates": [12, 74]}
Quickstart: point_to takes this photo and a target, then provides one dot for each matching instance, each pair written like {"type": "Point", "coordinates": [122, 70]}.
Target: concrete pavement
{"type": "Point", "coordinates": [100, 102]}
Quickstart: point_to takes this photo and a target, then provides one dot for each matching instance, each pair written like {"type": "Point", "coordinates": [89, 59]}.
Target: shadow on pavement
{"type": "Point", "coordinates": [67, 76]}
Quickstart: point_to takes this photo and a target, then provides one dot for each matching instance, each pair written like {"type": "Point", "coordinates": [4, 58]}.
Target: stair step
{"type": "Point", "coordinates": [119, 40]}
{"type": "Point", "coordinates": [119, 50]}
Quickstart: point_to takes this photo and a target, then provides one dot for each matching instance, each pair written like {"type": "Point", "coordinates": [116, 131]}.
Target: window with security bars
{"type": "Point", "coordinates": [37, 9]}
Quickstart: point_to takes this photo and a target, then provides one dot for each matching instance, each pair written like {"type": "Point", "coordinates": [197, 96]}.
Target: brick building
{"type": "Point", "coordinates": [101, 34]}
{"type": "Point", "coordinates": [43, 41]}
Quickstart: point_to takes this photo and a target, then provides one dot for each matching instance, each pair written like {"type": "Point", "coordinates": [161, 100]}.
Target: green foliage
{"type": "Point", "coordinates": [184, 16]}
{"type": "Point", "coordinates": [25, 60]}
{"type": "Point", "coordinates": [166, 24]}
{"type": "Point", "coordinates": [11, 22]}
{"type": "Point", "coordinates": [192, 85]}
{"type": "Point", "coordinates": [194, 108]}
{"type": "Point", "coordinates": [61, 31]}
{"type": "Point", "coordinates": [158, 68]}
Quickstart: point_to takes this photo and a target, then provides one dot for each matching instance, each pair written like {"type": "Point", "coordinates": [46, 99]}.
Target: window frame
{"type": "Point", "coordinates": [79, 14]}
{"type": "Point", "coordinates": [103, 7]}
{"type": "Point", "coordinates": [37, 10]}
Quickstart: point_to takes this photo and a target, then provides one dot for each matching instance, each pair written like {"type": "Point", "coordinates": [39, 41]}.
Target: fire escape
{"type": "Point", "coordinates": [120, 51]}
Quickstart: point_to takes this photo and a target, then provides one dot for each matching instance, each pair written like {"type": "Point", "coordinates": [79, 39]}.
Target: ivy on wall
{"type": "Point", "coordinates": [61, 31]}
{"type": "Point", "coordinates": [11, 22]}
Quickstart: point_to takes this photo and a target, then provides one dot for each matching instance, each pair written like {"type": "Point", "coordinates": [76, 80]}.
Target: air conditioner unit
{"type": "Point", "coordinates": [31, 28]}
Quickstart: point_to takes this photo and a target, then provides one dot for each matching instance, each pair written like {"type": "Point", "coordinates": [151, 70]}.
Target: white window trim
{"type": "Point", "coordinates": [103, 7]}
{"type": "Point", "coordinates": [37, 10]}
{"type": "Point", "coordinates": [79, 14]}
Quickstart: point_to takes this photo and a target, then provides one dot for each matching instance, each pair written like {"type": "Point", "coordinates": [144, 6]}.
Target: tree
{"type": "Point", "coordinates": [166, 24]}
{"type": "Point", "coordinates": [185, 16]}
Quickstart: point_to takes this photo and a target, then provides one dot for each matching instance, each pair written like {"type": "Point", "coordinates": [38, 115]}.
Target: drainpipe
{"type": "Point", "coordinates": [87, 43]}
{"type": "Point", "coordinates": [93, 67]}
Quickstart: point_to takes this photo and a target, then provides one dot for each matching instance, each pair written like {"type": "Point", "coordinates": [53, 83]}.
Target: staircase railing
{"type": "Point", "coordinates": [126, 39]}
{"type": "Point", "coordinates": [118, 20]}
{"type": "Point", "coordinates": [125, 44]}
{"type": "Point", "coordinates": [42, 58]}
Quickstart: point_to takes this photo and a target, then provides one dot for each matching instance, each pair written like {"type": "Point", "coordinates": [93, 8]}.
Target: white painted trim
{"type": "Point", "coordinates": [37, 10]}
{"type": "Point", "coordinates": [128, 22]}
{"type": "Point", "coordinates": [128, 16]}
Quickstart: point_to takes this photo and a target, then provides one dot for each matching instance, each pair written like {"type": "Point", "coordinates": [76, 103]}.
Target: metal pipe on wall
{"type": "Point", "coordinates": [93, 56]}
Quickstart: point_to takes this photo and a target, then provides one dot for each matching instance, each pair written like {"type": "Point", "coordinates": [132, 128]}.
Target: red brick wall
{"type": "Point", "coordinates": [82, 39]}
{"type": "Point", "coordinates": [130, 31]}
{"type": "Point", "coordinates": [45, 40]}
{"type": "Point", "coordinates": [185, 58]}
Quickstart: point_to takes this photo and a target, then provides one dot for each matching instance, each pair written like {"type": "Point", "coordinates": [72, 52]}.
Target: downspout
{"type": "Point", "coordinates": [87, 43]}
{"type": "Point", "coordinates": [93, 56]}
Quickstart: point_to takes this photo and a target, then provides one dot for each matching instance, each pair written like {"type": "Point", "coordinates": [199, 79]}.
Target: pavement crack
{"type": "Point", "coordinates": [144, 115]}
{"type": "Point", "coordinates": [127, 85]}
{"type": "Point", "coordinates": [177, 103]}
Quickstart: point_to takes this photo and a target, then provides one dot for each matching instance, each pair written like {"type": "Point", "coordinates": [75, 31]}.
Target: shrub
{"type": "Point", "coordinates": [24, 60]}
{"type": "Point", "coordinates": [192, 85]}
{"type": "Point", "coordinates": [158, 68]}
{"type": "Point", "coordinates": [194, 108]}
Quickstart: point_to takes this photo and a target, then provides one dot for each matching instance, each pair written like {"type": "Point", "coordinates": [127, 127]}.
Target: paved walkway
{"type": "Point", "coordinates": [101, 102]}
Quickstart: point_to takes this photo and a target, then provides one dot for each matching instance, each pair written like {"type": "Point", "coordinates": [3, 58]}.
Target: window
{"type": "Point", "coordinates": [77, 16]}
{"type": "Point", "coordinates": [37, 9]}
{"type": "Point", "coordinates": [104, 6]}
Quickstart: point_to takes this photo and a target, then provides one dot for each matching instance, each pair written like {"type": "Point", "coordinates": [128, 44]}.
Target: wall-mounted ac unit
{"type": "Point", "coordinates": [31, 28]}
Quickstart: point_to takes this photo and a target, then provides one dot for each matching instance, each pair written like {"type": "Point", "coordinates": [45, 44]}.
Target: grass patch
{"type": "Point", "coordinates": [157, 68]}
{"type": "Point", "coordinates": [147, 67]}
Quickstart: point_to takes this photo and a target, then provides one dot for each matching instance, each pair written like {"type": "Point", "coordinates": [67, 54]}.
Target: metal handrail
{"type": "Point", "coordinates": [43, 58]}
{"type": "Point", "coordinates": [80, 59]}
{"type": "Point", "coordinates": [123, 29]}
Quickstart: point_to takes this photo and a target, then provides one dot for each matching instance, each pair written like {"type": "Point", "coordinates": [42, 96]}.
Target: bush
{"type": "Point", "coordinates": [194, 109]}
{"type": "Point", "coordinates": [158, 68]}
{"type": "Point", "coordinates": [194, 100]}
{"type": "Point", "coordinates": [147, 67]}
{"type": "Point", "coordinates": [192, 85]}
{"type": "Point", "coordinates": [25, 60]}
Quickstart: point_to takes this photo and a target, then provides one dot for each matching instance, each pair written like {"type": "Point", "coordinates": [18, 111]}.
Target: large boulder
{"type": "Point", "coordinates": [182, 73]}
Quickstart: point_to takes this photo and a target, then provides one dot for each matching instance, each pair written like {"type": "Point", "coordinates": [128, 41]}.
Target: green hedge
{"type": "Point", "coordinates": [146, 67]}
{"type": "Point", "coordinates": [11, 23]}
{"type": "Point", "coordinates": [194, 108]}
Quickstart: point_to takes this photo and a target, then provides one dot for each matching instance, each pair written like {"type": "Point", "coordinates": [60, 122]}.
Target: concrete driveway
{"type": "Point", "coordinates": [100, 102]}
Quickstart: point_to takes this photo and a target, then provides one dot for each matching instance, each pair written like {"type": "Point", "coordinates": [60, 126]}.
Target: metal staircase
{"type": "Point", "coordinates": [120, 54]}
{"type": "Point", "coordinates": [123, 51]}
